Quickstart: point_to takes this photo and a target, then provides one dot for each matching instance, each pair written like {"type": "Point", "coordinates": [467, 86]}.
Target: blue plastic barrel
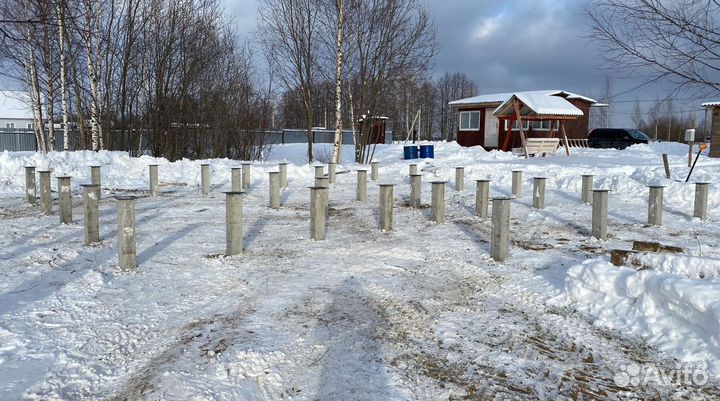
{"type": "Point", "coordinates": [427, 151]}
{"type": "Point", "coordinates": [411, 152]}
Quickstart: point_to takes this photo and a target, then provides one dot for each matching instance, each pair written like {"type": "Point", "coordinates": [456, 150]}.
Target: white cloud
{"type": "Point", "coordinates": [488, 26]}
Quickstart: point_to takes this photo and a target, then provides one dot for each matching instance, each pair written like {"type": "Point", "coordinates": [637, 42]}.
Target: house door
{"type": "Point", "coordinates": [492, 127]}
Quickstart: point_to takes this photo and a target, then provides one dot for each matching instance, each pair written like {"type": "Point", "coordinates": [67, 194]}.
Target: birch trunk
{"type": "Point", "coordinates": [339, 57]}
{"type": "Point", "coordinates": [93, 78]}
{"type": "Point", "coordinates": [35, 99]}
{"type": "Point", "coordinates": [93, 103]}
{"type": "Point", "coordinates": [63, 77]}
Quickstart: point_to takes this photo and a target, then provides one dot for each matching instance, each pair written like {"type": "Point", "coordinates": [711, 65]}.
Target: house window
{"type": "Point", "coordinates": [30, 126]}
{"type": "Point", "coordinates": [536, 125]}
{"type": "Point", "coordinates": [469, 120]}
{"type": "Point", "coordinates": [516, 126]}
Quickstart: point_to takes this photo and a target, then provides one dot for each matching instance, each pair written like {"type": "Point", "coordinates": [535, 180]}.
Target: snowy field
{"type": "Point", "coordinates": [419, 313]}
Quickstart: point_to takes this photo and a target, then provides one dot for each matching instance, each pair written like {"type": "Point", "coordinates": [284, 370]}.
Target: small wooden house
{"type": "Point", "coordinates": [714, 109]}
{"type": "Point", "coordinates": [378, 126]}
{"type": "Point", "coordinates": [477, 126]}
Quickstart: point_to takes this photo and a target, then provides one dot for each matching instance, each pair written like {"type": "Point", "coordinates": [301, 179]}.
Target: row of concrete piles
{"type": "Point", "coordinates": [319, 193]}
{"type": "Point", "coordinates": [499, 241]}
{"type": "Point", "coordinates": [240, 180]}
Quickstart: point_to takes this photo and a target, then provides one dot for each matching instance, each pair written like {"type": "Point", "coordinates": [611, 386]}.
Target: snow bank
{"type": "Point", "coordinates": [626, 173]}
{"type": "Point", "coordinates": [681, 265]}
{"type": "Point", "coordinates": [680, 316]}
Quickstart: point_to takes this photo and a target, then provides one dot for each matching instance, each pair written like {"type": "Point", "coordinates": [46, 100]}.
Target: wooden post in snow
{"type": "Point", "coordinates": [516, 105]}
{"type": "Point", "coordinates": [565, 140]}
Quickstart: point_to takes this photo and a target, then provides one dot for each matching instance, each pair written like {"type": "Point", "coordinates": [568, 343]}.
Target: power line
{"type": "Point", "coordinates": [659, 100]}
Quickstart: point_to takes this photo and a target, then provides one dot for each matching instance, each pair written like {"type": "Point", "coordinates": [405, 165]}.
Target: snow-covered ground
{"type": "Point", "coordinates": [419, 313]}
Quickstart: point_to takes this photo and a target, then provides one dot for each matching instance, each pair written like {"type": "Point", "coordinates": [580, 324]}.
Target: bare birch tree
{"type": "Point", "coordinates": [675, 41]}
{"type": "Point", "coordinates": [339, 61]}
{"type": "Point", "coordinates": [394, 39]}
{"type": "Point", "coordinates": [290, 38]}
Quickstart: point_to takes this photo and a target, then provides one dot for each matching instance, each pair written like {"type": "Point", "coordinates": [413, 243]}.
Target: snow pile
{"type": "Point", "coordinates": [681, 265]}
{"type": "Point", "coordinates": [622, 172]}
{"type": "Point", "coordinates": [678, 315]}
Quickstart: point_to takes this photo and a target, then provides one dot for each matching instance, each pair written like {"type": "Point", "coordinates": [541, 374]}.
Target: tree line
{"type": "Point", "coordinates": [166, 77]}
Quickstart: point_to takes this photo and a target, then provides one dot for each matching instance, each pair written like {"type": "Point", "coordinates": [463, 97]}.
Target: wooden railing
{"type": "Point", "coordinates": [578, 143]}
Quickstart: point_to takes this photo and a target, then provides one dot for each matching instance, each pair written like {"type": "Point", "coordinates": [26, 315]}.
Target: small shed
{"type": "Point", "coordinates": [714, 109]}
{"type": "Point", "coordinates": [538, 109]}
{"type": "Point", "coordinates": [378, 125]}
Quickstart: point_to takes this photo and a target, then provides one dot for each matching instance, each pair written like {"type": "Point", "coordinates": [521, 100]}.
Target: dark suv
{"type": "Point", "coordinates": [618, 138]}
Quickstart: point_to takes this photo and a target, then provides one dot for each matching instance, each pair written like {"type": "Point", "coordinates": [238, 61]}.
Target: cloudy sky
{"type": "Point", "coordinates": [515, 45]}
